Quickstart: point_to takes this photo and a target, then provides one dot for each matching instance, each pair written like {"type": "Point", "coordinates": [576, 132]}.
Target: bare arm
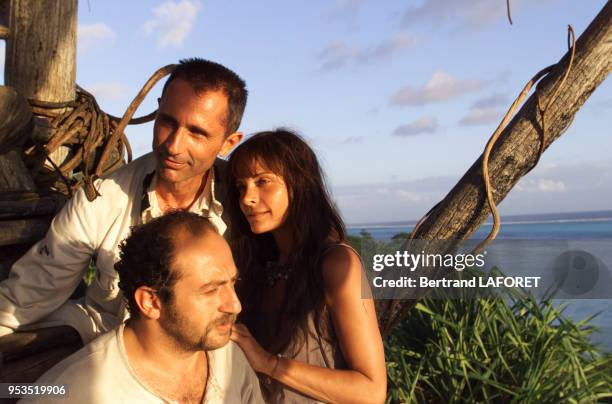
{"type": "Point", "coordinates": [356, 328]}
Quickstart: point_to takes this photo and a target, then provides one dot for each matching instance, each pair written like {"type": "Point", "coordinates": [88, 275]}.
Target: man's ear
{"type": "Point", "coordinates": [230, 142]}
{"type": "Point", "coordinates": [148, 302]}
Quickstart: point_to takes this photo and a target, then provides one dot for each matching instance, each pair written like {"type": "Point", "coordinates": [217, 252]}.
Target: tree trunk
{"type": "Point", "coordinates": [464, 209]}
{"type": "Point", "coordinates": [41, 51]}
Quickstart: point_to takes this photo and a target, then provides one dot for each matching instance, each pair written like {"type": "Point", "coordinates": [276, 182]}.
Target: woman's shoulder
{"type": "Point", "coordinates": [338, 253]}
{"type": "Point", "coordinates": [340, 267]}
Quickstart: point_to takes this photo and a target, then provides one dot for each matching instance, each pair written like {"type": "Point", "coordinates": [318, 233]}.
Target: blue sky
{"type": "Point", "coordinates": [397, 98]}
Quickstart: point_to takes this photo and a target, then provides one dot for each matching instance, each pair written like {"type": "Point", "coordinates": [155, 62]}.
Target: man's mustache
{"type": "Point", "coordinates": [163, 155]}
{"type": "Point", "coordinates": [224, 319]}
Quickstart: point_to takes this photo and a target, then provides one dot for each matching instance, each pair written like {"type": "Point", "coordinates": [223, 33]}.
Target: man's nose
{"type": "Point", "coordinates": [175, 140]}
{"type": "Point", "coordinates": [231, 304]}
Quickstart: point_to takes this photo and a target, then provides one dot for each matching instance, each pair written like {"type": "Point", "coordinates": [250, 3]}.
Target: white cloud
{"type": "Point", "coordinates": [547, 166]}
{"type": "Point", "coordinates": [462, 14]}
{"type": "Point", "coordinates": [441, 87]}
{"type": "Point", "coordinates": [108, 91]}
{"type": "Point", "coordinates": [541, 185]}
{"type": "Point", "coordinates": [352, 140]}
{"type": "Point", "coordinates": [345, 9]}
{"type": "Point", "coordinates": [90, 35]}
{"type": "Point", "coordinates": [415, 197]}
{"type": "Point", "coordinates": [380, 202]}
{"type": "Point", "coordinates": [484, 111]}
{"type": "Point", "coordinates": [480, 116]}
{"type": "Point", "coordinates": [386, 48]}
{"type": "Point", "coordinates": [339, 54]}
{"type": "Point", "coordinates": [580, 186]}
{"type": "Point", "coordinates": [426, 124]}
{"type": "Point", "coordinates": [336, 55]}
{"type": "Point", "coordinates": [545, 185]}
{"type": "Point", "coordinates": [493, 100]}
{"type": "Point", "coordinates": [172, 21]}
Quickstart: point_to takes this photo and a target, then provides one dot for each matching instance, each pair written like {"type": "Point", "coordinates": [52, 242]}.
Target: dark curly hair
{"type": "Point", "coordinates": [146, 256]}
{"type": "Point", "coordinates": [204, 75]}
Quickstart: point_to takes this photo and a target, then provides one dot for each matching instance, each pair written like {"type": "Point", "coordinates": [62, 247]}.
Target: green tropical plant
{"type": "Point", "coordinates": [512, 349]}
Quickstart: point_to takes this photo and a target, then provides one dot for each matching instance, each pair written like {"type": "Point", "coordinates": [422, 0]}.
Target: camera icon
{"type": "Point", "coordinates": [577, 272]}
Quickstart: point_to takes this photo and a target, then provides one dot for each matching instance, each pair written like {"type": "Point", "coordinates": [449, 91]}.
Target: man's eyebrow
{"type": "Point", "coordinates": [212, 283]}
{"type": "Point", "coordinates": [198, 129]}
{"type": "Point", "coordinates": [166, 116]}
{"type": "Point", "coordinates": [218, 283]}
{"type": "Point", "coordinates": [192, 128]}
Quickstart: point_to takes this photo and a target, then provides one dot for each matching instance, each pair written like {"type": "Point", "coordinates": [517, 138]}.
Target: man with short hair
{"type": "Point", "coordinates": [178, 276]}
{"type": "Point", "coordinates": [198, 118]}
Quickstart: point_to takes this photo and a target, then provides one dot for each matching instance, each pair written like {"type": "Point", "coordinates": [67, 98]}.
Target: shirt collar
{"type": "Point", "coordinates": [206, 202]}
{"type": "Point", "coordinates": [213, 393]}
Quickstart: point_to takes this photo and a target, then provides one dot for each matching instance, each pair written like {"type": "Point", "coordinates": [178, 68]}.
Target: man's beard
{"type": "Point", "coordinates": [186, 336]}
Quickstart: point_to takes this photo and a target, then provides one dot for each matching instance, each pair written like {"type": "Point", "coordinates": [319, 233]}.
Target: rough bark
{"type": "Point", "coordinates": [24, 219]}
{"type": "Point", "coordinates": [20, 345]}
{"type": "Point", "coordinates": [29, 205]}
{"type": "Point", "coordinates": [464, 208]}
{"type": "Point", "coordinates": [40, 66]}
{"type": "Point", "coordinates": [4, 17]}
{"type": "Point", "coordinates": [14, 175]}
{"type": "Point", "coordinates": [24, 230]}
{"type": "Point", "coordinates": [15, 125]}
{"type": "Point", "coordinates": [30, 367]}
{"type": "Point", "coordinates": [41, 50]}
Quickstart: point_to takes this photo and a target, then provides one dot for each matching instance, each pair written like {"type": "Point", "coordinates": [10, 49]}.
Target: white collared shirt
{"type": "Point", "coordinates": [41, 282]}
{"type": "Point", "coordinates": [206, 204]}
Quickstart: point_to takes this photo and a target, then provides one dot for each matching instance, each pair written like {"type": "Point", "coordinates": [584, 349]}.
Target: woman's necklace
{"type": "Point", "coordinates": [275, 271]}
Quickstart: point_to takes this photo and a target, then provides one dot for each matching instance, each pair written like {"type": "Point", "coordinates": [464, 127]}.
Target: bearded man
{"type": "Point", "coordinates": [178, 275]}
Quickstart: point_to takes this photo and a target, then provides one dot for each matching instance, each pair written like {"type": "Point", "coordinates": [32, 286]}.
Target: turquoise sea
{"type": "Point", "coordinates": [554, 226]}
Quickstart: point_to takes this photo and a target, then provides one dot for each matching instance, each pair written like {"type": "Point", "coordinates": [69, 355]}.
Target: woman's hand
{"type": "Point", "coordinates": [260, 360]}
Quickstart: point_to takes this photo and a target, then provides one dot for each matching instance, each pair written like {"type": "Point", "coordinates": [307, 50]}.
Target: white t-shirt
{"type": "Point", "coordinates": [100, 373]}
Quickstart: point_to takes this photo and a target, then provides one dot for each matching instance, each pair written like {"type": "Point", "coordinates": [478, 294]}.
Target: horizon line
{"type": "Point", "coordinates": [517, 215]}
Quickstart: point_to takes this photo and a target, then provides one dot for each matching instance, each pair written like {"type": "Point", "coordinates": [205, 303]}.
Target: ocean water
{"type": "Point", "coordinates": [580, 226]}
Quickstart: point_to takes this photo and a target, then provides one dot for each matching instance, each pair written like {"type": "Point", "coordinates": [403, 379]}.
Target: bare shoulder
{"type": "Point", "coordinates": [341, 269]}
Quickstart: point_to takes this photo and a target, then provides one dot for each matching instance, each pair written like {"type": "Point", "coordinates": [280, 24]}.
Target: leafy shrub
{"type": "Point", "coordinates": [495, 350]}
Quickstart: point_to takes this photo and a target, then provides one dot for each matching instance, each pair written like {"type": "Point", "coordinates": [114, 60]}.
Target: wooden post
{"type": "Point", "coordinates": [41, 53]}
{"type": "Point", "coordinates": [4, 15]}
{"type": "Point", "coordinates": [41, 50]}
{"type": "Point", "coordinates": [15, 125]}
{"type": "Point", "coordinates": [40, 66]}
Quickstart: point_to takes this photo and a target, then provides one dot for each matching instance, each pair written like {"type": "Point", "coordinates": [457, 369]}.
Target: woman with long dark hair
{"type": "Point", "coordinates": [305, 326]}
